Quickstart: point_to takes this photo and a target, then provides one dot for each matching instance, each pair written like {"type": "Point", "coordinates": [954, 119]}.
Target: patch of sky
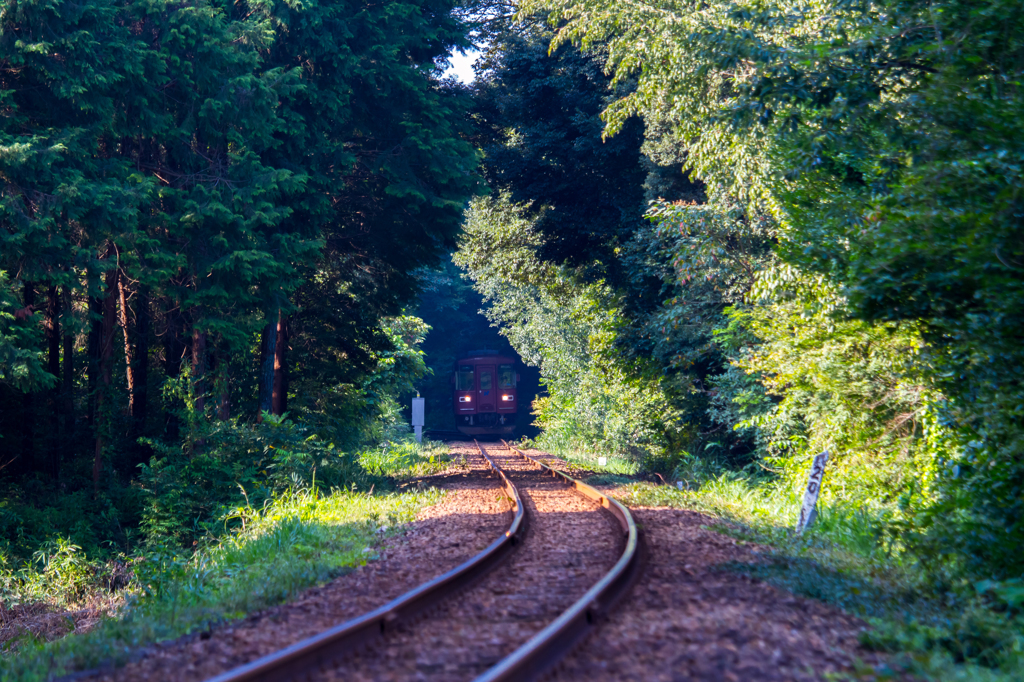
{"type": "Point", "coordinates": [461, 65]}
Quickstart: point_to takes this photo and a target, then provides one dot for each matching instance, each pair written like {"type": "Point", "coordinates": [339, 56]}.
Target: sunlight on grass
{"type": "Point", "coordinates": [614, 465]}
{"type": "Point", "coordinates": [406, 459]}
{"type": "Point", "coordinates": [847, 558]}
{"type": "Point", "coordinates": [298, 540]}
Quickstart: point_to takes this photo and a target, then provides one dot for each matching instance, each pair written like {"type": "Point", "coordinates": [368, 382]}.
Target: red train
{"type": "Point", "coordinates": [484, 398]}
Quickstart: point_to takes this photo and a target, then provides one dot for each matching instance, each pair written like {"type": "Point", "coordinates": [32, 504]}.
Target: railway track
{"type": "Point", "coordinates": [522, 604]}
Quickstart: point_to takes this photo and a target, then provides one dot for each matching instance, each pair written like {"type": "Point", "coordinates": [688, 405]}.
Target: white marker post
{"type": "Point", "coordinates": [417, 417]}
{"type": "Point", "coordinates": [809, 509]}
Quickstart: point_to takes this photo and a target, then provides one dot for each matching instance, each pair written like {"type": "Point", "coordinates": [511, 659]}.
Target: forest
{"type": "Point", "coordinates": [727, 236]}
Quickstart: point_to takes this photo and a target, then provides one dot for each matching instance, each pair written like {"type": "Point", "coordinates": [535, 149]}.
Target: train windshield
{"type": "Point", "coordinates": [506, 377]}
{"type": "Point", "coordinates": [485, 379]}
{"type": "Point", "coordinates": [464, 378]}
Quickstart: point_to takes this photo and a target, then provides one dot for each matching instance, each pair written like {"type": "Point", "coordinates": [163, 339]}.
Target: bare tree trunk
{"type": "Point", "coordinates": [279, 398]}
{"type": "Point", "coordinates": [27, 423]}
{"type": "Point", "coordinates": [268, 360]}
{"type": "Point", "coordinates": [140, 405]}
{"type": "Point", "coordinates": [106, 361]}
{"type": "Point", "coordinates": [174, 350]}
{"type": "Point", "coordinates": [199, 368]}
{"type": "Point", "coordinates": [94, 352]}
{"type": "Point", "coordinates": [129, 356]}
{"type": "Point", "coordinates": [52, 325]}
{"type": "Point", "coordinates": [223, 389]}
{"type": "Point", "coordinates": [69, 369]}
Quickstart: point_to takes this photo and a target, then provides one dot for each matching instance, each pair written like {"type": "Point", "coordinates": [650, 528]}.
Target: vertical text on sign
{"type": "Point", "coordinates": [809, 509]}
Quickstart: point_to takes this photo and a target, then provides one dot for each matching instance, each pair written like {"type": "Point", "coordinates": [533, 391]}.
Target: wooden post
{"type": "Point", "coordinates": [809, 509]}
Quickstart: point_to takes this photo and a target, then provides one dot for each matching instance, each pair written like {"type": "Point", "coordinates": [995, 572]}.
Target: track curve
{"type": "Point", "coordinates": [531, 602]}
{"type": "Point", "coordinates": [321, 650]}
{"type": "Point", "coordinates": [552, 643]}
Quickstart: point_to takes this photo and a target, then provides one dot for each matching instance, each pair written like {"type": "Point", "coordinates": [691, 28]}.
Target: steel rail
{"type": "Point", "coordinates": [321, 650]}
{"type": "Point", "coordinates": [551, 644]}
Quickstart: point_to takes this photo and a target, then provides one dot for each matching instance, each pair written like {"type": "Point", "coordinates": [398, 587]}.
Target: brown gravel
{"type": "Point", "coordinates": [688, 619]}
{"type": "Point", "coordinates": [469, 518]}
{"type": "Point", "coordinates": [569, 545]}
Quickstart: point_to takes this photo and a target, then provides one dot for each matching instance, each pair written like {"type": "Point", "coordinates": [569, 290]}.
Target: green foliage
{"type": "Point", "coordinates": [173, 178]}
{"type": "Point", "coordinates": [59, 572]}
{"type": "Point", "coordinates": [398, 368]}
{"type": "Point", "coordinates": [883, 151]}
{"type": "Point", "coordinates": [540, 130]}
{"type": "Point", "coordinates": [842, 386]}
{"type": "Point", "coordinates": [566, 328]}
{"type": "Point", "coordinates": [188, 484]}
{"type": "Point", "coordinates": [187, 493]}
{"type": "Point", "coordinates": [65, 570]}
{"type": "Point", "coordinates": [405, 458]}
{"type": "Point", "coordinates": [20, 365]}
{"type": "Point", "coordinates": [851, 282]}
{"type": "Point", "coordinates": [230, 161]}
{"type": "Point", "coordinates": [564, 260]}
{"type": "Point", "coordinates": [452, 308]}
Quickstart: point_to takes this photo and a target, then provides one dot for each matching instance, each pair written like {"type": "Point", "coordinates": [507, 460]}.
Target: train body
{"type": "Point", "coordinates": [484, 394]}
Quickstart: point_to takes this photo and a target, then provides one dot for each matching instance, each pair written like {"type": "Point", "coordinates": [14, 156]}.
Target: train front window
{"type": "Point", "coordinates": [506, 377]}
{"type": "Point", "coordinates": [464, 378]}
{"type": "Point", "coordinates": [485, 381]}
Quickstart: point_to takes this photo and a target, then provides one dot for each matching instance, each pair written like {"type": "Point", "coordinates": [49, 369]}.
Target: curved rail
{"type": "Point", "coordinates": [552, 643]}
{"type": "Point", "coordinates": [319, 650]}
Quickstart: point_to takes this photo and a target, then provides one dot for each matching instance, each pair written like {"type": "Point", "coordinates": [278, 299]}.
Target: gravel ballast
{"type": "Point", "coordinates": [470, 516]}
{"type": "Point", "coordinates": [569, 544]}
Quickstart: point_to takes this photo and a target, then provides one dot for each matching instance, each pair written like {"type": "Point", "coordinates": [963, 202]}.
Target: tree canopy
{"type": "Point", "coordinates": [230, 195]}
{"type": "Point", "coordinates": [849, 278]}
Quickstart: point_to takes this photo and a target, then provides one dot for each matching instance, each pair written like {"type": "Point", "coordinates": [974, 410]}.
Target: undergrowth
{"type": "Point", "coordinates": [584, 459]}
{"type": "Point", "coordinates": [250, 549]}
{"type": "Point", "coordinates": [405, 459]}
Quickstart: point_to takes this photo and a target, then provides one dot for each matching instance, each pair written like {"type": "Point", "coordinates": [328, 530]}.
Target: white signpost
{"type": "Point", "coordinates": [809, 509]}
{"type": "Point", "coordinates": [417, 417]}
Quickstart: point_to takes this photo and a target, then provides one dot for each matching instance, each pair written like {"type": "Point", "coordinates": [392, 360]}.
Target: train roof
{"type": "Point", "coordinates": [491, 355]}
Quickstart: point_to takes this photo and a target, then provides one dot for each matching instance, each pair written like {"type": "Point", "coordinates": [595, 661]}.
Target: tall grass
{"type": "Point", "coordinates": [584, 458]}
{"type": "Point", "coordinates": [403, 459]}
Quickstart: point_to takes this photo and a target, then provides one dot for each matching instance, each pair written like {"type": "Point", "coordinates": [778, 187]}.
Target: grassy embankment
{"type": "Point", "coordinates": [938, 626]}
{"type": "Point", "coordinates": [297, 540]}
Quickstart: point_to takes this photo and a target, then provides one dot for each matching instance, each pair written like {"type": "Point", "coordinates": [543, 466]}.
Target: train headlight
{"type": "Point", "coordinates": [465, 399]}
{"type": "Point", "coordinates": [507, 398]}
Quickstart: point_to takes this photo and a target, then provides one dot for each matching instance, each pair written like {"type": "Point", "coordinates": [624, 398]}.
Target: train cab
{"type": "Point", "coordinates": [484, 399]}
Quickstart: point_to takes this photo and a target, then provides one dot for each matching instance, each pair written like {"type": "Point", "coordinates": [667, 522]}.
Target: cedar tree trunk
{"type": "Point", "coordinates": [268, 359]}
{"type": "Point", "coordinates": [279, 399]}
{"type": "Point", "coordinates": [106, 361]}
